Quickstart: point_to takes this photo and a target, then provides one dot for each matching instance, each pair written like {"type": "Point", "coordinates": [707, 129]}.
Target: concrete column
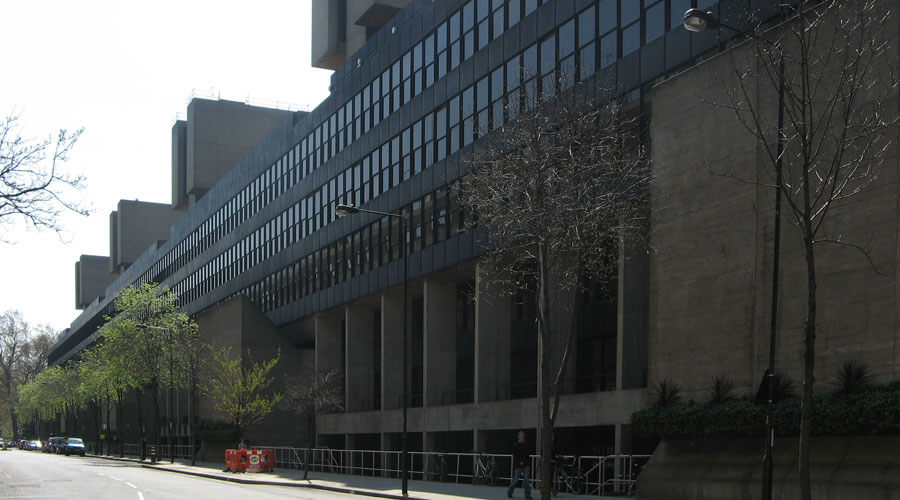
{"type": "Point", "coordinates": [493, 311]}
{"type": "Point", "coordinates": [359, 355]}
{"type": "Point", "coordinates": [633, 326]}
{"type": "Point", "coordinates": [479, 440]}
{"type": "Point", "coordinates": [328, 343]}
{"type": "Point", "coordinates": [440, 342]}
{"type": "Point", "coordinates": [391, 350]}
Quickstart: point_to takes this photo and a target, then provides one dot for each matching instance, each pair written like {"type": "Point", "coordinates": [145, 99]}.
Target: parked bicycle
{"type": "Point", "coordinates": [484, 468]}
{"type": "Point", "coordinates": [437, 467]}
{"type": "Point", "coordinates": [566, 477]}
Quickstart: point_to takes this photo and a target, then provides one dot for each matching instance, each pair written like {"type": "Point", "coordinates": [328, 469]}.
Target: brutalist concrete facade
{"type": "Point", "coordinates": [92, 276]}
{"type": "Point", "coordinates": [390, 138]}
{"type": "Point", "coordinates": [712, 235]}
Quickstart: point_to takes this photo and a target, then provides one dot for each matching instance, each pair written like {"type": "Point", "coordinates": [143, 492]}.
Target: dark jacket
{"type": "Point", "coordinates": [520, 455]}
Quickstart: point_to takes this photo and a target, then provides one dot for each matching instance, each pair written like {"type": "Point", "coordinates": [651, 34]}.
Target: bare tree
{"type": "Point", "coordinates": [831, 60]}
{"type": "Point", "coordinates": [34, 186]}
{"type": "Point", "coordinates": [13, 342]}
{"type": "Point", "coordinates": [555, 191]}
{"type": "Point", "coordinates": [313, 395]}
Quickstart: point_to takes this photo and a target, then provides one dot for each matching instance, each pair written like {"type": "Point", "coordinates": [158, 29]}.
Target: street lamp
{"type": "Point", "coordinates": [696, 20]}
{"type": "Point", "coordinates": [169, 411]}
{"type": "Point", "coordinates": [342, 210]}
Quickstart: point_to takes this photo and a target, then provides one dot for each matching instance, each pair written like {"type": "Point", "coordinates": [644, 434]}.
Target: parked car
{"type": "Point", "coordinates": [34, 445]}
{"type": "Point", "coordinates": [56, 444]}
{"type": "Point", "coordinates": [74, 446]}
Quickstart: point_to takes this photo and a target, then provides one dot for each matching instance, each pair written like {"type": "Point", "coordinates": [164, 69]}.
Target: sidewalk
{"type": "Point", "coordinates": [353, 484]}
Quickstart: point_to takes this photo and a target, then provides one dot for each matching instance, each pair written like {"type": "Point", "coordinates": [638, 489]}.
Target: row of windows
{"type": "Point", "coordinates": [589, 40]}
{"type": "Point", "coordinates": [433, 218]}
{"type": "Point", "coordinates": [525, 78]}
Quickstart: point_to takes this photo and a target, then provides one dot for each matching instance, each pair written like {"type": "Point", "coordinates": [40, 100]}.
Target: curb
{"type": "Point", "coordinates": [240, 480]}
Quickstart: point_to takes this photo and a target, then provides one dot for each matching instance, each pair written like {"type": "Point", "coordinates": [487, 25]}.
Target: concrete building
{"type": "Point", "coordinates": [92, 276]}
{"type": "Point", "coordinates": [215, 136]}
{"type": "Point", "coordinates": [263, 241]}
{"type": "Point", "coordinates": [390, 138]}
{"type": "Point", "coordinates": [133, 227]}
{"type": "Point", "coordinates": [342, 27]}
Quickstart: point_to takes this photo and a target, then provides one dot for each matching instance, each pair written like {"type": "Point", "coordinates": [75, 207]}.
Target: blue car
{"type": "Point", "coordinates": [74, 446]}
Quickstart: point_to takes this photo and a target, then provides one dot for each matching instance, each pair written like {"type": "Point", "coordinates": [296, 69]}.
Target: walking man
{"type": "Point", "coordinates": [521, 466]}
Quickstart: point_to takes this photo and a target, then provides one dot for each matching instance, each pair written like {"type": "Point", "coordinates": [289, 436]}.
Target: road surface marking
{"type": "Point", "coordinates": [133, 486]}
{"type": "Point", "coordinates": [114, 477]}
{"type": "Point", "coordinates": [5, 474]}
{"type": "Point", "coordinates": [140, 496]}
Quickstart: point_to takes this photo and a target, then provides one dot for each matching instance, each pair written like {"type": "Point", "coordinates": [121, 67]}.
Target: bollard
{"type": "Point", "coordinates": [152, 454]}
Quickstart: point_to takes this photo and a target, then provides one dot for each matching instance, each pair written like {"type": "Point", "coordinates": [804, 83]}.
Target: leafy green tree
{"type": "Point", "coordinates": [240, 390]}
{"type": "Point", "coordinates": [143, 343]}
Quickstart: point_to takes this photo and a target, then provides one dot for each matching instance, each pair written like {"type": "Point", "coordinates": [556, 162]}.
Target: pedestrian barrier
{"type": "Point", "coordinates": [596, 475]}
{"type": "Point", "coordinates": [591, 475]}
{"type": "Point", "coordinates": [249, 460]}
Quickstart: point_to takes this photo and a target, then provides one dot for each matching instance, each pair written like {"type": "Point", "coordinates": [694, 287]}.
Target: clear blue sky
{"type": "Point", "coordinates": [123, 71]}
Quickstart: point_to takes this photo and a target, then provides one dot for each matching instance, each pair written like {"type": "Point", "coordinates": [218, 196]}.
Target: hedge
{"type": "Point", "coordinates": [872, 411]}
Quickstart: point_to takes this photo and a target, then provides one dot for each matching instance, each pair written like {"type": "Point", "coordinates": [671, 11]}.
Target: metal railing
{"type": "Point", "coordinates": [594, 475]}
{"type": "Point", "coordinates": [162, 452]}
{"type": "Point", "coordinates": [597, 475]}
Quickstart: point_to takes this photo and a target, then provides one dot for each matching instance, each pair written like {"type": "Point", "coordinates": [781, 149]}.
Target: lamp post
{"type": "Point", "coordinates": [342, 210]}
{"type": "Point", "coordinates": [696, 20]}
{"type": "Point", "coordinates": [169, 410]}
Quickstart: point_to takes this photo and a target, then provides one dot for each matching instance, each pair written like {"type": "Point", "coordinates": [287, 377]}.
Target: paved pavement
{"type": "Point", "coordinates": [353, 484]}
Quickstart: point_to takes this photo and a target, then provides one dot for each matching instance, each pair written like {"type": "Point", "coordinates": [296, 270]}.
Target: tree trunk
{"type": "Point", "coordinates": [98, 428]}
{"type": "Point", "coordinates": [809, 358]}
{"type": "Point", "coordinates": [108, 425]}
{"type": "Point", "coordinates": [545, 341]}
{"type": "Point", "coordinates": [13, 421]}
{"type": "Point", "coordinates": [140, 411]}
{"type": "Point", "coordinates": [157, 436]}
{"type": "Point", "coordinates": [310, 436]}
{"type": "Point", "coordinates": [119, 425]}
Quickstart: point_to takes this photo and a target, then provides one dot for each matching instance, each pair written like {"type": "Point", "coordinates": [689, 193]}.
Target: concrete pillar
{"type": "Point", "coordinates": [328, 343]}
{"type": "Point", "coordinates": [440, 342]}
{"type": "Point", "coordinates": [633, 327]}
{"type": "Point", "coordinates": [360, 348]}
{"type": "Point", "coordinates": [479, 441]}
{"type": "Point", "coordinates": [391, 350]}
{"type": "Point", "coordinates": [492, 336]}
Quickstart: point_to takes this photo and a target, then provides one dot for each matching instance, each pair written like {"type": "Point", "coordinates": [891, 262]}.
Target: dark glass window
{"type": "Point", "coordinates": [567, 39]}
{"type": "Point", "coordinates": [609, 15]}
{"type": "Point", "coordinates": [529, 62]}
{"type": "Point", "coordinates": [483, 9]}
{"type": "Point", "coordinates": [587, 60]}
{"type": "Point", "coordinates": [513, 67]}
{"type": "Point", "coordinates": [497, 84]}
{"type": "Point", "coordinates": [655, 22]}
{"type": "Point", "coordinates": [608, 49]}
{"type": "Point", "coordinates": [548, 55]}
{"type": "Point", "coordinates": [498, 22]}
{"type": "Point", "coordinates": [631, 10]}
{"type": "Point", "coordinates": [586, 25]}
{"type": "Point", "coordinates": [514, 13]}
{"type": "Point", "coordinates": [631, 38]}
{"type": "Point", "coordinates": [468, 19]}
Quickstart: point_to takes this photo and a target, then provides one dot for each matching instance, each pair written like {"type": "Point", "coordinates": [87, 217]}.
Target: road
{"type": "Point", "coordinates": [33, 475]}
